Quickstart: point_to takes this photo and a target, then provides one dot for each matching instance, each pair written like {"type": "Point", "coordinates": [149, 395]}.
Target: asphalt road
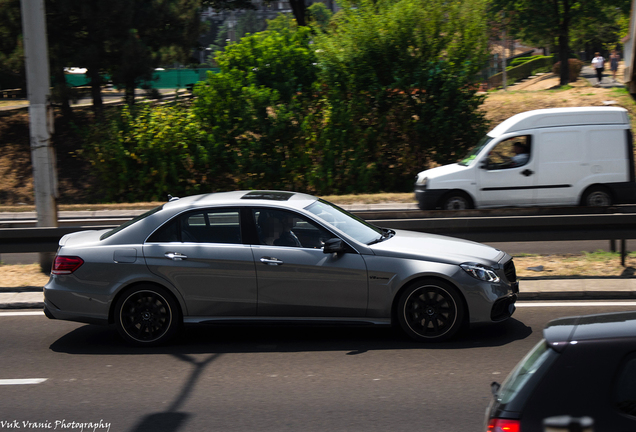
{"type": "Point", "coordinates": [259, 379]}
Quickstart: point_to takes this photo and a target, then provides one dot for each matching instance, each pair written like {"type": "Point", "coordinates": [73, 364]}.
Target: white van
{"type": "Point", "coordinates": [548, 157]}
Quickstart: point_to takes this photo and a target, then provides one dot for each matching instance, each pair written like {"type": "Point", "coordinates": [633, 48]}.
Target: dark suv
{"type": "Point", "coordinates": [584, 366]}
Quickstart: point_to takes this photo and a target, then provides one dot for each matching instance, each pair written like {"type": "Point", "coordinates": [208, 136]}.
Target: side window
{"type": "Point", "coordinates": [203, 226]}
{"type": "Point", "coordinates": [283, 228]}
{"type": "Point", "coordinates": [511, 153]}
{"type": "Point", "coordinates": [625, 392]}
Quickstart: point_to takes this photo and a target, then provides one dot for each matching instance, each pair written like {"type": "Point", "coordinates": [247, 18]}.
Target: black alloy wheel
{"type": "Point", "coordinates": [430, 311]}
{"type": "Point", "coordinates": [147, 315]}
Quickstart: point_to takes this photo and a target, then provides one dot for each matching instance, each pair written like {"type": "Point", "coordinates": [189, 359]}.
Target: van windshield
{"type": "Point", "coordinates": [475, 151]}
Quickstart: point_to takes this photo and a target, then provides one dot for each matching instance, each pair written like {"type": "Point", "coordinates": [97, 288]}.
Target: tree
{"type": "Point", "coordinates": [398, 78]}
{"type": "Point", "coordinates": [536, 20]}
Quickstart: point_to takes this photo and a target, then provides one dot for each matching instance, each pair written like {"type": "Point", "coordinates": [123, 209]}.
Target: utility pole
{"type": "Point", "coordinates": [40, 118]}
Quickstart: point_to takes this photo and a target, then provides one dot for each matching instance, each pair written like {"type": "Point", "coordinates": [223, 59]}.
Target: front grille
{"type": "Point", "coordinates": [510, 271]}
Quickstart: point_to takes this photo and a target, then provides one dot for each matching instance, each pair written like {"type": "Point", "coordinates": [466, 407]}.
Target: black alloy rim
{"type": "Point", "coordinates": [146, 316]}
{"type": "Point", "coordinates": [430, 311]}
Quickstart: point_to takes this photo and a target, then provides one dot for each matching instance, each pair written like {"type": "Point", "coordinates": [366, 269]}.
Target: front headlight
{"type": "Point", "coordinates": [480, 272]}
{"type": "Point", "coordinates": [421, 180]}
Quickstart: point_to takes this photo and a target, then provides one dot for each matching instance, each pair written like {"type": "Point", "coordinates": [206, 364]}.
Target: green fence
{"type": "Point", "coordinates": [165, 79]}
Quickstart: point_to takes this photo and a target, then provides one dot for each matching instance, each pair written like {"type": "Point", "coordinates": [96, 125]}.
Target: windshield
{"type": "Point", "coordinates": [524, 371]}
{"type": "Point", "coordinates": [475, 151]}
{"type": "Point", "coordinates": [130, 222]}
{"type": "Point", "coordinates": [351, 225]}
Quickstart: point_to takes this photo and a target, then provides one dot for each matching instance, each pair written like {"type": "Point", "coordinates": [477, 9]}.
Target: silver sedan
{"type": "Point", "coordinates": [269, 256]}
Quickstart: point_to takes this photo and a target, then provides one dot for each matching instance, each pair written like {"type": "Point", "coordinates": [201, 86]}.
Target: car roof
{"type": "Point", "coordinates": [591, 327]}
{"type": "Point", "coordinates": [292, 200]}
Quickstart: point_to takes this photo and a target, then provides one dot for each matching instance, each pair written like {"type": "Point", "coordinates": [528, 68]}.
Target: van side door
{"type": "Point", "coordinates": [560, 166]}
{"type": "Point", "coordinates": [506, 176]}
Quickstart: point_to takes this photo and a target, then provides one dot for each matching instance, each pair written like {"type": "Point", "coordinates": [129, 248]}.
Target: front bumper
{"type": "Point", "coordinates": [428, 199]}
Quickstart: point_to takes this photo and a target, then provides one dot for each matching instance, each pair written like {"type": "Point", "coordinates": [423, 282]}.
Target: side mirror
{"type": "Point", "coordinates": [484, 164]}
{"type": "Point", "coordinates": [334, 245]}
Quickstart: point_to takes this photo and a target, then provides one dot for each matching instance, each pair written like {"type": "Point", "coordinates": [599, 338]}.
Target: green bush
{"type": "Point", "coordinates": [146, 153]}
{"type": "Point", "coordinates": [574, 69]}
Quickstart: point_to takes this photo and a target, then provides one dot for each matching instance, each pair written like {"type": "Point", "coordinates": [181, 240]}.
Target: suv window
{"type": "Point", "coordinates": [523, 373]}
{"type": "Point", "coordinates": [201, 226]}
{"type": "Point", "coordinates": [625, 393]}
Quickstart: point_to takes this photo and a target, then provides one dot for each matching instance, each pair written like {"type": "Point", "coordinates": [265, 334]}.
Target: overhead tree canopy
{"type": "Point", "coordinates": [542, 21]}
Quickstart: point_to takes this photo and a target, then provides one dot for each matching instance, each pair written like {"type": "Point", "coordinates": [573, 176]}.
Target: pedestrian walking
{"type": "Point", "coordinates": [614, 59]}
{"type": "Point", "coordinates": [598, 62]}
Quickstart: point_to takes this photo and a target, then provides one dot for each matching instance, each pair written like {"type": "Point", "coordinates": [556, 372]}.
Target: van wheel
{"type": "Point", "coordinates": [430, 311]}
{"type": "Point", "coordinates": [597, 196]}
{"type": "Point", "coordinates": [456, 201]}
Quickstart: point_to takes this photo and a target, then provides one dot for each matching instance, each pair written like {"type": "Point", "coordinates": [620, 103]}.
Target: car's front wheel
{"type": "Point", "coordinates": [456, 201]}
{"type": "Point", "coordinates": [430, 310]}
{"type": "Point", "coordinates": [147, 315]}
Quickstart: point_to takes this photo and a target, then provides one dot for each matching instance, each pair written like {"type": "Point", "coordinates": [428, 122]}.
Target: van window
{"type": "Point", "coordinates": [472, 154]}
{"type": "Point", "coordinates": [510, 153]}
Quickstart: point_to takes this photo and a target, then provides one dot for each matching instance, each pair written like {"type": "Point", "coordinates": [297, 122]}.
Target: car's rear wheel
{"type": "Point", "coordinates": [430, 310]}
{"type": "Point", "coordinates": [147, 315]}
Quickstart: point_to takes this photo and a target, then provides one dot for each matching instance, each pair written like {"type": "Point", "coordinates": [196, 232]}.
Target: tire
{"type": "Point", "coordinates": [430, 311]}
{"type": "Point", "coordinates": [147, 315]}
{"type": "Point", "coordinates": [456, 201]}
{"type": "Point", "coordinates": [597, 196]}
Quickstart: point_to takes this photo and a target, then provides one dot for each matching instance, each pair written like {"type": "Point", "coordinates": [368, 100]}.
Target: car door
{"type": "Point", "coordinates": [296, 278]}
{"type": "Point", "coordinates": [201, 253]}
{"type": "Point", "coordinates": [507, 177]}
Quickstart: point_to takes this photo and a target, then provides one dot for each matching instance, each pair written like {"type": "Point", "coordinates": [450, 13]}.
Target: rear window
{"type": "Point", "coordinates": [524, 374]}
{"type": "Point", "coordinates": [130, 222]}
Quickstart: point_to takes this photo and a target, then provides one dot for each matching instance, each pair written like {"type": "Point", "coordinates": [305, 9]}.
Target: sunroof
{"type": "Point", "coordinates": [265, 195]}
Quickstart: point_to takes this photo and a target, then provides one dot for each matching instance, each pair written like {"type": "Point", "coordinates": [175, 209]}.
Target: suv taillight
{"type": "Point", "coordinates": [64, 265]}
{"type": "Point", "coordinates": [504, 425]}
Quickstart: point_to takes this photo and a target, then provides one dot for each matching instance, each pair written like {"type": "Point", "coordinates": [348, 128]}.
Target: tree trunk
{"type": "Point", "coordinates": [130, 94]}
{"type": "Point", "coordinates": [564, 44]}
{"type": "Point", "coordinates": [298, 8]}
{"type": "Point", "coordinates": [62, 93]}
{"type": "Point", "coordinates": [96, 91]}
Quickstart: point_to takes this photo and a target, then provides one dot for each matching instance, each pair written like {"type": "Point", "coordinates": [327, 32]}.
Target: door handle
{"type": "Point", "coordinates": [527, 172]}
{"type": "Point", "coordinates": [271, 261]}
{"type": "Point", "coordinates": [175, 256]}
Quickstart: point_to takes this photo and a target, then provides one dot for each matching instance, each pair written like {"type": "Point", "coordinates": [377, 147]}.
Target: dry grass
{"type": "Point", "coordinates": [599, 264]}
{"type": "Point", "coordinates": [15, 276]}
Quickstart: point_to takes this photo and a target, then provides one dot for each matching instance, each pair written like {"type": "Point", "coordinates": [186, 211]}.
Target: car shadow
{"type": "Point", "coordinates": [205, 339]}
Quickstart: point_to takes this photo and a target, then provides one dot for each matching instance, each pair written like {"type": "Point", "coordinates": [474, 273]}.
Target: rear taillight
{"type": "Point", "coordinates": [64, 265]}
{"type": "Point", "coordinates": [504, 425]}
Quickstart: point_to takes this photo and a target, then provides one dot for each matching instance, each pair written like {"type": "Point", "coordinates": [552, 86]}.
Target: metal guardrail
{"type": "Point", "coordinates": [481, 229]}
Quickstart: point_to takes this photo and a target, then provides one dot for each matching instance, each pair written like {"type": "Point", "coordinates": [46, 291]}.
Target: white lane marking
{"type": "Point", "coordinates": [22, 381]}
{"type": "Point", "coordinates": [21, 313]}
{"type": "Point", "coordinates": [574, 303]}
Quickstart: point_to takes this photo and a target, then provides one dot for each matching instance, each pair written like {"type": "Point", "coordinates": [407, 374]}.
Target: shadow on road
{"type": "Point", "coordinates": [214, 341]}
{"type": "Point", "coordinates": [208, 339]}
